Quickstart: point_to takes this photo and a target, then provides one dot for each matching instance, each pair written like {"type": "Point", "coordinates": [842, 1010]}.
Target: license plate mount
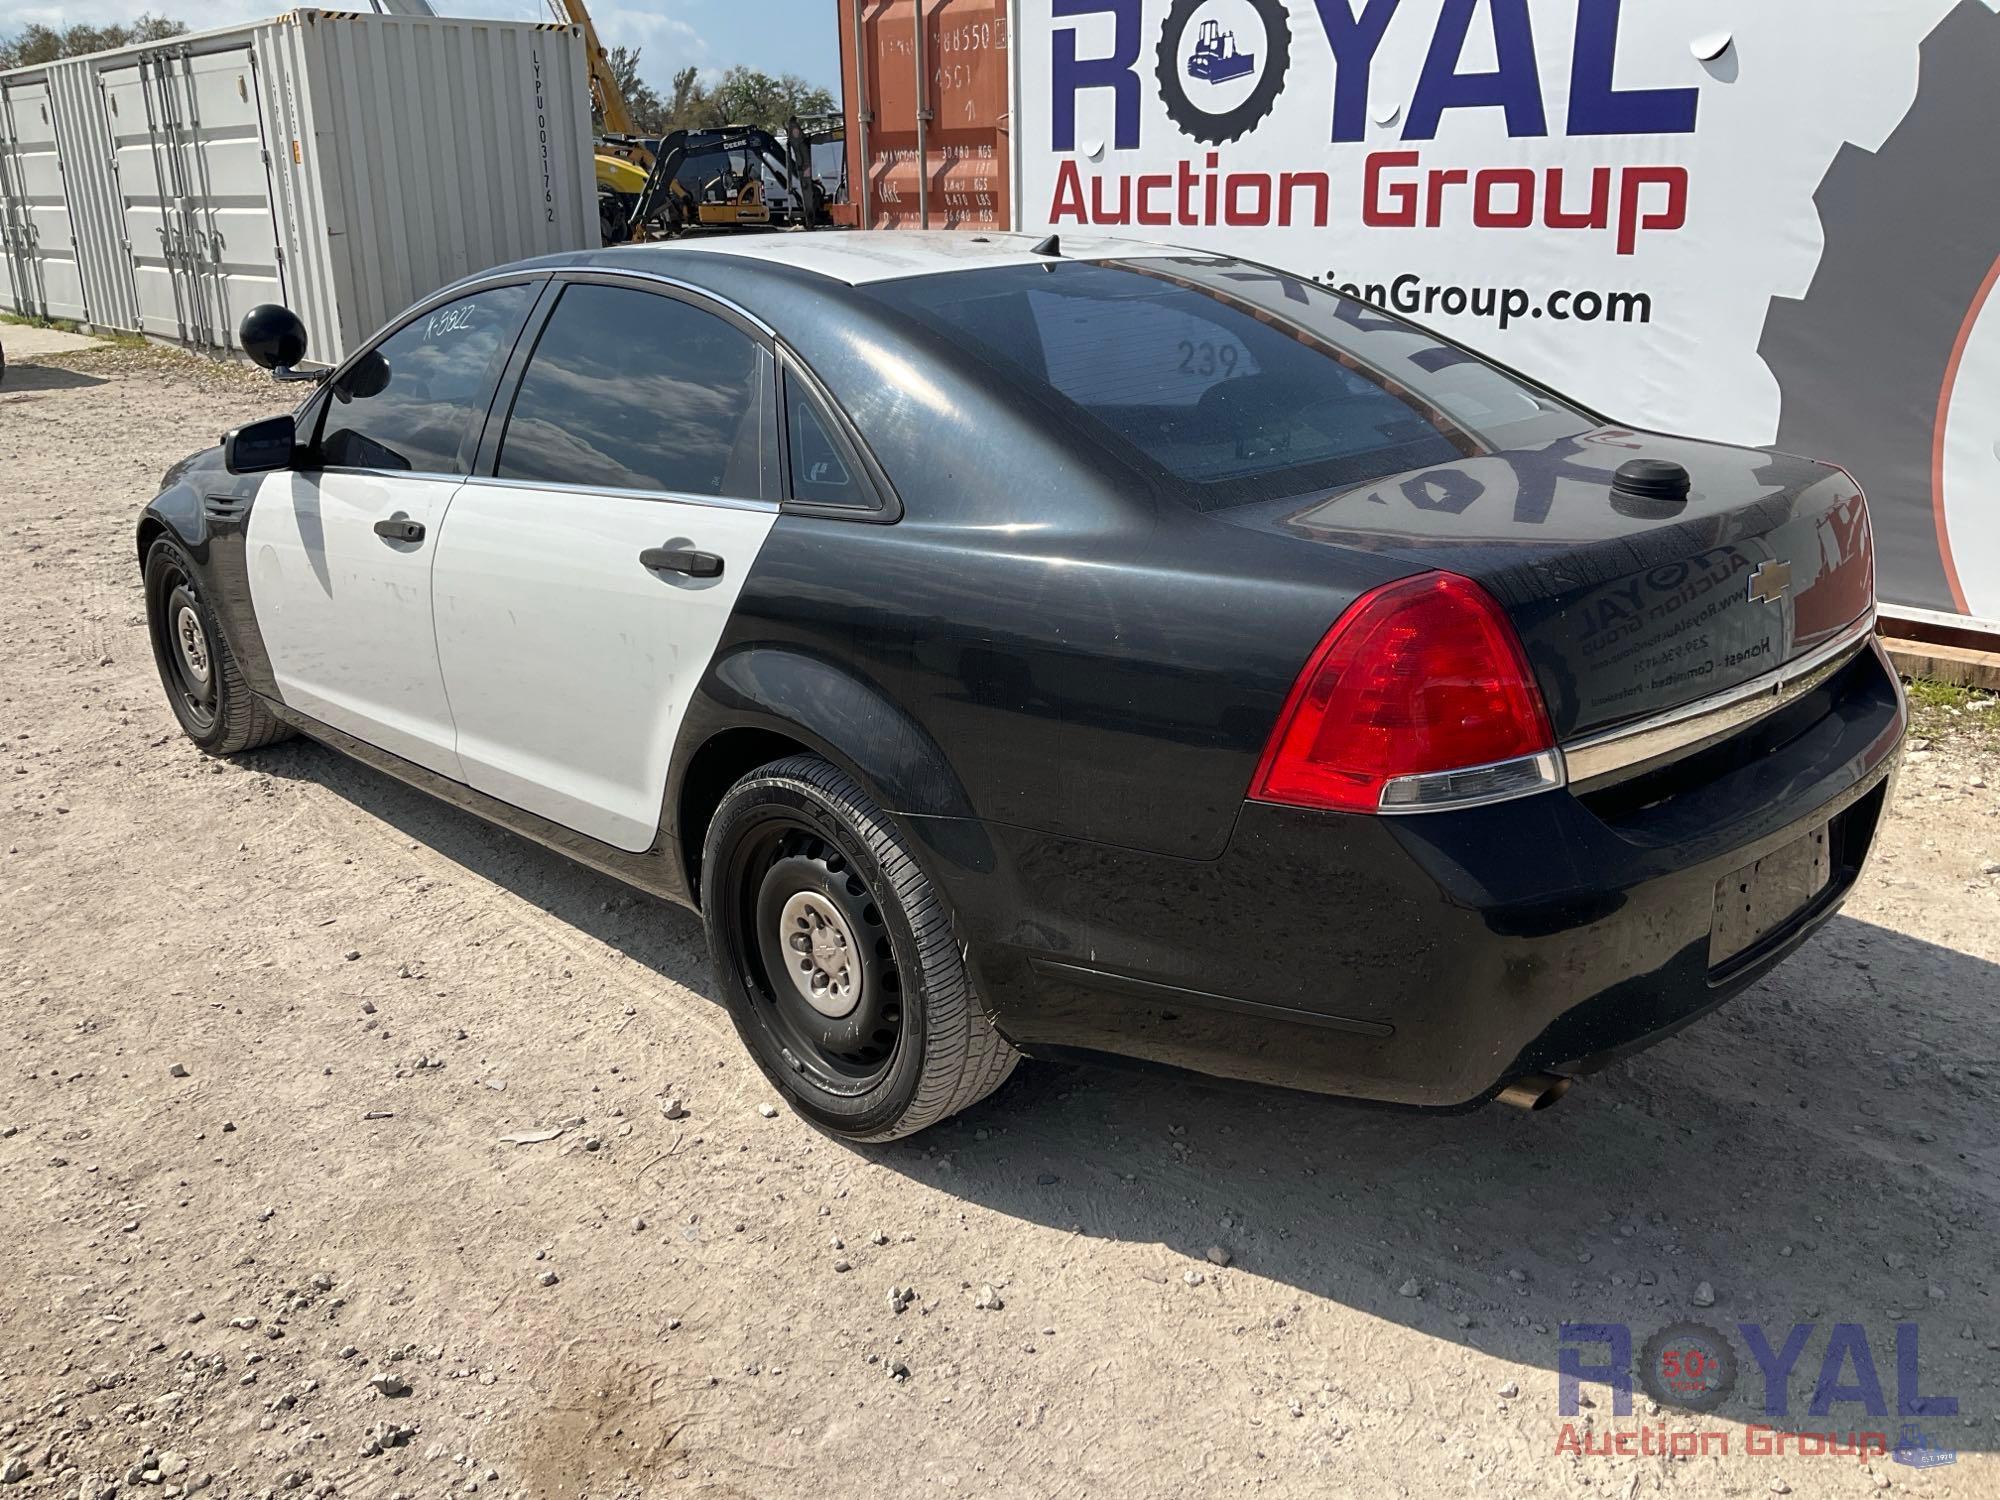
{"type": "Point", "coordinates": [1756, 900]}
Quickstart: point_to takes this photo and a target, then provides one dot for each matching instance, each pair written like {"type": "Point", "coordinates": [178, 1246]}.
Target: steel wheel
{"type": "Point", "coordinates": [819, 958]}
{"type": "Point", "coordinates": [204, 685]}
{"type": "Point", "coordinates": [188, 652]}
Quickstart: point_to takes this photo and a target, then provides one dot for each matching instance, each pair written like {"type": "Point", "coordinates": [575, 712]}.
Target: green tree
{"type": "Point", "coordinates": [687, 106]}
{"type": "Point", "coordinates": [748, 96]}
{"type": "Point", "coordinates": [649, 111]}
{"type": "Point", "coordinates": [37, 44]}
{"type": "Point", "coordinates": [741, 96]}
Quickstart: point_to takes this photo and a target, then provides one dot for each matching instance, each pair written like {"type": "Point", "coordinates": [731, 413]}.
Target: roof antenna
{"type": "Point", "coordinates": [1049, 246]}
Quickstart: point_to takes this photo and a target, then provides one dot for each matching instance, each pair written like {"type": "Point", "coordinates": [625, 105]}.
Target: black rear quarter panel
{"type": "Point", "coordinates": [1081, 656]}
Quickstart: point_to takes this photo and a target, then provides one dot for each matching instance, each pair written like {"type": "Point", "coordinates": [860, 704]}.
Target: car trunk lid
{"type": "Point", "coordinates": [1628, 606]}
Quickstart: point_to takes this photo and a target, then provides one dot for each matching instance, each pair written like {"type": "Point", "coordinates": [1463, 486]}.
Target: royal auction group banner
{"type": "Point", "coordinates": [1769, 223]}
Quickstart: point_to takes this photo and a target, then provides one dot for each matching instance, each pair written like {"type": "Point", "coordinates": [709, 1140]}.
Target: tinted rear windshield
{"type": "Point", "coordinates": [1231, 383]}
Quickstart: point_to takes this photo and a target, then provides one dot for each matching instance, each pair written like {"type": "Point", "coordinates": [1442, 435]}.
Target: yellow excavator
{"type": "Point", "coordinates": [640, 190]}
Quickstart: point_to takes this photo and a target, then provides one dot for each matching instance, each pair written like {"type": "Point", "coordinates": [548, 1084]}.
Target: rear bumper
{"type": "Point", "coordinates": [1428, 959]}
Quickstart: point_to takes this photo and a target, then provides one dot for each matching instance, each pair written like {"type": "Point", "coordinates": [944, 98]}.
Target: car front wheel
{"type": "Point", "coordinates": [215, 706]}
{"type": "Point", "coordinates": [837, 957]}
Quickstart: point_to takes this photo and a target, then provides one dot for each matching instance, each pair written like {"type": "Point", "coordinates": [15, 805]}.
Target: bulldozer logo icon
{"type": "Point", "coordinates": [1245, 70]}
{"type": "Point", "coordinates": [1216, 58]}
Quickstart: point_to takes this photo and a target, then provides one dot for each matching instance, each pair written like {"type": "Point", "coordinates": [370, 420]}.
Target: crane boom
{"type": "Point", "coordinates": [611, 105]}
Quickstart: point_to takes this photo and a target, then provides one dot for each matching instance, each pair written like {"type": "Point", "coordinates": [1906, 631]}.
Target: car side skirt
{"type": "Point", "coordinates": [655, 870]}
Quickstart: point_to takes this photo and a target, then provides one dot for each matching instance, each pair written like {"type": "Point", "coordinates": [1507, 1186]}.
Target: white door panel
{"type": "Point", "coordinates": [346, 614]}
{"type": "Point", "coordinates": [189, 138]}
{"type": "Point", "coordinates": [39, 272]}
{"type": "Point", "coordinates": [570, 664]}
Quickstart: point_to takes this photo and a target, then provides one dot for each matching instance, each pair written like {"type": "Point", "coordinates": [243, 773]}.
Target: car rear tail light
{"type": "Point", "coordinates": [1419, 698]}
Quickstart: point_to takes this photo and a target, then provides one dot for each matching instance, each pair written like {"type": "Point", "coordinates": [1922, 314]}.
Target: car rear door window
{"type": "Point", "coordinates": [411, 402]}
{"type": "Point", "coordinates": [632, 390]}
{"type": "Point", "coordinates": [824, 471]}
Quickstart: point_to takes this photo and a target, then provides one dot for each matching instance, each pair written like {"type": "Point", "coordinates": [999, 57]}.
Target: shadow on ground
{"type": "Point", "coordinates": [1822, 1151]}
{"type": "Point", "coordinates": [21, 379]}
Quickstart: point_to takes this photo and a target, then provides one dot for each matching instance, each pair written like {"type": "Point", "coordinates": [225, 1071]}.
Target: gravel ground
{"type": "Point", "coordinates": [333, 1156]}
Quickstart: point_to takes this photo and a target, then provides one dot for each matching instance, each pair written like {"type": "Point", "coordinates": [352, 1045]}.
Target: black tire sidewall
{"type": "Point", "coordinates": [748, 809]}
{"type": "Point", "coordinates": [163, 558]}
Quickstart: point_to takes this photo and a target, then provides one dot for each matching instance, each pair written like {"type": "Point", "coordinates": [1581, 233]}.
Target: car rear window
{"type": "Point", "coordinates": [1227, 382]}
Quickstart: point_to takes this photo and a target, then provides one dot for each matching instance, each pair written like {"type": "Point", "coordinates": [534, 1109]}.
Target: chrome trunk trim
{"type": "Point", "coordinates": [1694, 725]}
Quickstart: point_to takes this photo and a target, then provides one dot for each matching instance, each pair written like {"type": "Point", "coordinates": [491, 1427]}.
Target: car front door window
{"type": "Point", "coordinates": [632, 391]}
{"type": "Point", "coordinates": [411, 403]}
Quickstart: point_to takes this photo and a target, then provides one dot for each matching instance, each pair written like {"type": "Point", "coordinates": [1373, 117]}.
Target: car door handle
{"type": "Point", "coordinates": [677, 560]}
{"type": "Point", "coordinates": [400, 529]}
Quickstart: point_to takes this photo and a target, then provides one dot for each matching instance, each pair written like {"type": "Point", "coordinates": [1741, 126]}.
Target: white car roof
{"type": "Point", "coordinates": [857, 256]}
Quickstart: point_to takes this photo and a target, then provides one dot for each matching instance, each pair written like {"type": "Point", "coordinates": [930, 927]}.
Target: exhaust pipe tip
{"type": "Point", "coordinates": [1532, 1091]}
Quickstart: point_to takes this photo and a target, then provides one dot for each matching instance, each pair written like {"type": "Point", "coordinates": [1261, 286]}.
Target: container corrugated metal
{"type": "Point", "coordinates": [442, 146]}
{"type": "Point", "coordinates": [344, 164]}
{"type": "Point", "coordinates": [927, 88]}
{"type": "Point", "coordinates": [90, 176]}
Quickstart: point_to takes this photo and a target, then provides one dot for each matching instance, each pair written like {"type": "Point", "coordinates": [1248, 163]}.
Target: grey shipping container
{"type": "Point", "coordinates": [343, 164]}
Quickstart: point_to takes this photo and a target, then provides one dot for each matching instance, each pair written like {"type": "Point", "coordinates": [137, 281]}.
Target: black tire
{"type": "Point", "coordinates": [218, 711]}
{"type": "Point", "coordinates": [914, 1047]}
{"type": "Point", "coordinates": [612, 212]}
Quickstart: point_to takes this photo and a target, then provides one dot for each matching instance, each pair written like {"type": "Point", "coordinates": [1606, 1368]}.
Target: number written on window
{"type": "Point", "coordinates": [1207, 358]}
{"type": "Point", "coordinates": [410, 403]}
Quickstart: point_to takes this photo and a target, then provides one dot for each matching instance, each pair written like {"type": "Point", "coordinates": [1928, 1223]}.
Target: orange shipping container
{"type": "Point", "coordinates": [928, 114]}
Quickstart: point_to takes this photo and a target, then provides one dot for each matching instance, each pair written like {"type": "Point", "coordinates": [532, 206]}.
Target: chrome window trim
{"type": "Point", "coordinates": [676, 497]}
{"type": "Point", "coordinates": [432, 474]}
{"type": "Point", "coordinates": [692, 289]}
{"type": "Point", "coordinates": [1692, 725]}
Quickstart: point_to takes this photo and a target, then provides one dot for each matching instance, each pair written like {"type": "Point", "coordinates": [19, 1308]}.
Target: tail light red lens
{"type": "Point", "coordinates": [1420, 676]}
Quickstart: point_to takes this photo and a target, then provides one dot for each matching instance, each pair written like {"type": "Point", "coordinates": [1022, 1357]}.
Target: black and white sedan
{"type": "Point", "coordinates": [1063, 648]}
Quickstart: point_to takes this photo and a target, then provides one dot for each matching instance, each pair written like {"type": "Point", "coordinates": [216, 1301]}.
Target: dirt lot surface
{"type": "Point", "coordinates": [381, 1004]}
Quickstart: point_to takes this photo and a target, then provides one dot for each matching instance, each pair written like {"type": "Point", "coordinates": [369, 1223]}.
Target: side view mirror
{"type": "Point", "coordinates": [274, 337]}
{"type": "Point", "coordinates": [259, 447]}
{"type": "Point", "coordinates": [367, 376]}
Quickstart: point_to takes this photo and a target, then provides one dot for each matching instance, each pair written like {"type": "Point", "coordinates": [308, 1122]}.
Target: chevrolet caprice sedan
{"type": "Point", "coordinates": [1078, 649]}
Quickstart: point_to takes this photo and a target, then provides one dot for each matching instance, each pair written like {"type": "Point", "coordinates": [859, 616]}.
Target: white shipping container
{"type": "Point", "coordinates": [39, 273]}
{"type": "Point", "coordinates": [342, 164]}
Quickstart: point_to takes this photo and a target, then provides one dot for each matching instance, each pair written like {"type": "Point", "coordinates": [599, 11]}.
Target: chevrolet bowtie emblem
{"type": "Point", "coordinates": [1771, 582]}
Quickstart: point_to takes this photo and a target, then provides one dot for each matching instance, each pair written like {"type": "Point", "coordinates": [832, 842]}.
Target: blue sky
{"type": "Point", "coordinates": [779, 36]}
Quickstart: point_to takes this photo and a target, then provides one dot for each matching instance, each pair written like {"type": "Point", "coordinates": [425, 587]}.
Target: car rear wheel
{"type": "Point", "coordinates": [205, 689]}
{"type": "Point", "coordinates": [837, 957]}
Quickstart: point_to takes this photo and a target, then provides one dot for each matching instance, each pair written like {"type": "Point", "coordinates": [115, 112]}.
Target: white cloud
{"type": "Point", "coordinates": [666, 43]}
